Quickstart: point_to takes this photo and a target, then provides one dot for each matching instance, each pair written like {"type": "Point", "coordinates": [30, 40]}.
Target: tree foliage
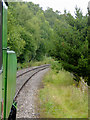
{"type": "Point", "coordinates": [33, 33]}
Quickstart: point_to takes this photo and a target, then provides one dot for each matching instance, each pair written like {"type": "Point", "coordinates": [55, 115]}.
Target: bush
{"type": "Point", "coordinates": [56, 66]}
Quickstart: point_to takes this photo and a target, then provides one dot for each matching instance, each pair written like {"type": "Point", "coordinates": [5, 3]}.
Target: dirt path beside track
{"type": "Point", "coordinates": [26, 107]}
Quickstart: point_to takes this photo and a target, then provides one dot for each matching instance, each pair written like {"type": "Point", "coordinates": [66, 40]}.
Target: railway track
{"type": "Point", "coordinates": [25, 75]}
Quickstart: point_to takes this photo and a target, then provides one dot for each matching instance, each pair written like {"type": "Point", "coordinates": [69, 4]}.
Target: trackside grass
{"type": "Point", "coordinates": [46, 60]}
{"type": "Point", "coordinates": [60, 98]}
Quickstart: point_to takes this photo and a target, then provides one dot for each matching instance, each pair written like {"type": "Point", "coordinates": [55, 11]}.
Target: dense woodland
{"type": "Point", "coordinates": [34, 33]}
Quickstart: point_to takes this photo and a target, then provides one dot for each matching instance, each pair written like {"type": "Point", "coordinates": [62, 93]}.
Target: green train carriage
{"type": "Point", "coordinates": [8, 63]}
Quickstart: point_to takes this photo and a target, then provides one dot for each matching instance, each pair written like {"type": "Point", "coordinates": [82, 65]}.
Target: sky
{"type": "Point", "coordinates": [60, 5]}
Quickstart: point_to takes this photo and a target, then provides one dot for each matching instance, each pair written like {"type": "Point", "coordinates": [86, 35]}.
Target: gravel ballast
{"type": "Point", "coordinates": [26, 101]}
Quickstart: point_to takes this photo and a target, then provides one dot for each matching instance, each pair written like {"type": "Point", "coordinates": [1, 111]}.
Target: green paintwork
{"type": "Point", "coordinates": [4, 46]}
{"type": "Point", "coordinates": [11, 80]}
{"type": "Point", "coordinates": [9, 69]}
{"type": "Point", "coordinates": [0, 56]}
{"type": "Point", "coordinates": [0, 93]}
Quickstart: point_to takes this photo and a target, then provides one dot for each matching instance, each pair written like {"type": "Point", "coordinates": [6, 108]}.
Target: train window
{"type": "Point", "coordinates": [0, 35]}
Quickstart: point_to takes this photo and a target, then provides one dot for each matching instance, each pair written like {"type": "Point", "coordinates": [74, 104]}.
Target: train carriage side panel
{"type": "Point", "coordinates": [0, 57]}
{"type": "Point", "coordinates": [0, 93]}
{"type": "Point", "coordinates": [11, 80]}
{"type": "Point", "coordinates": [9, 68]}
{"type": "Point", "coordinates": [4, 47]}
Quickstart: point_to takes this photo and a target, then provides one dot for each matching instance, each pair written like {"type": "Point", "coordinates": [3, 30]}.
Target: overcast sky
{"type": "Point", "coordinates": [60, 5]}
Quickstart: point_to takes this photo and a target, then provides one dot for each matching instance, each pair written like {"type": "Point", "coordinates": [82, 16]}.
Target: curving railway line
{"type": "Point", "coordinates": [27, 85]}
{"type": "Point", "coordinates": [25, 75]}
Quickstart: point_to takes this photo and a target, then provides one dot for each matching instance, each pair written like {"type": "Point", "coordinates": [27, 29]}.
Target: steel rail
{"type": "Point", "coordinates": [32, 70]}
{"type": "Point", "coordinates": [42, 68]}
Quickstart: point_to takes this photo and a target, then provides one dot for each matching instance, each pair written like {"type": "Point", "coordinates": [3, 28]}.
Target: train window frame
{"type": "Point", "coordinates": [0, 36]}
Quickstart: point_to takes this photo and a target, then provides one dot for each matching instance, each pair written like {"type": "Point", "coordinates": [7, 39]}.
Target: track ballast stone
{"type": "Point", "coordinates": [26, 107]}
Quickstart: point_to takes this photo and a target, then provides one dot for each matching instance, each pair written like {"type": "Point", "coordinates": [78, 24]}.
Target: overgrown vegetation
{"type": "Point", "coordinates": [34, 33]}
{"type": "Point", "coordinates": [60, 98]}
{"type": "Point", "coordinates": [46, 60]}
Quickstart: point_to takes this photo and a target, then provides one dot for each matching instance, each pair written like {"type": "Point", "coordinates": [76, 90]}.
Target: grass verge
{"type": "Point", "coordinates": [46, 60]}
{"type": "Point", "coordinates": [60, 98]}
